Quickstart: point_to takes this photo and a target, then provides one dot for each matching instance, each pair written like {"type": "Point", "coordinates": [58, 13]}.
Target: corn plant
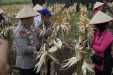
{"type": "Point", "coordinates": [80, 47]}
{"type": "Point", "coordinates": [60, 24]}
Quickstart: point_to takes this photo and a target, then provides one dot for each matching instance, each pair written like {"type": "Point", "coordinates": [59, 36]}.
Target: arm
{"type": "Point", "coordinates": [93, 39]}
{"type": "Point", "coordinates": [105, 43]}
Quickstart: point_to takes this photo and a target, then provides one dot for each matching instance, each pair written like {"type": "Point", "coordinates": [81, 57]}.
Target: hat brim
{"type": "Point", "coordinates": [101, 22]}
{"type": "Point", "coordinates": [26, 12]}
{"type": "Point", "coordinates": [97, 6]}
{"type": "Point", "coordinates": [19, 17]}
{"type": "Point", "coordinates": [100, 17]}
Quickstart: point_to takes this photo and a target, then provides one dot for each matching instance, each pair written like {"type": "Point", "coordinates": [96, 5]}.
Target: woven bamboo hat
{"type": "Point", "coordinates": [26, 12]}
{"type": "Point", "coordinates": [1, 11]}
{"type": "Point", "coordinates": [100, 17]}
{"type": "Point", "coordinates": [38, 7]}
{"type": "Point", "coordinates": [98, 4]}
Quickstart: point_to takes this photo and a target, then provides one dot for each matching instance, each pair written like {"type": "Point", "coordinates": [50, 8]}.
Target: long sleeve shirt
{"type": "Point", "coordinates": [37, 21]}
{"type": "Point", "coordinates": [101, 43]}
{"type": "Point", "coordinates": [25, 48]}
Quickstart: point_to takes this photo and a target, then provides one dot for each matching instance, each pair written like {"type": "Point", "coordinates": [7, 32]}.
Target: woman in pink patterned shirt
{"type": "Point", "coordinates": [101, 44]}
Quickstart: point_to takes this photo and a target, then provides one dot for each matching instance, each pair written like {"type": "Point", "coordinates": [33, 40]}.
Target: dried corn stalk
{"type": "Point", "coordinates": [84, 23]}
{"type": "Point", "coordinates": [62, 22]}
{"type": "Point", "coordinates": [46, 51]}
{"type": "Point", "coordinates": [80, 47]}
{"type": "Point", "coordinates": [75, 59]}
{"type": "Point", "coordinates": [112, 4]}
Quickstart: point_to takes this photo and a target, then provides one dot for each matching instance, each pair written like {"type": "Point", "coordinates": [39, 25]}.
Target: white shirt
{"type": "Point", "coordinates": [37, 21]}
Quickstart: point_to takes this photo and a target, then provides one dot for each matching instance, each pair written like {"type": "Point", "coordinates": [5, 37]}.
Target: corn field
{"type": "Point", "coordinates": [71, 37]}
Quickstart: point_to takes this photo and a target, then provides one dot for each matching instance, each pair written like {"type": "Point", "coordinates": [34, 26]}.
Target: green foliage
{"type": "Point", "coordinates": [2, 2]}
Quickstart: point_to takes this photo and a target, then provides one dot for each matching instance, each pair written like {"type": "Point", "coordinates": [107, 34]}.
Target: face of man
{"type": "Point", "coordinates": [27, 21]}
{"type": "Point", "coordinates": [46, 18]}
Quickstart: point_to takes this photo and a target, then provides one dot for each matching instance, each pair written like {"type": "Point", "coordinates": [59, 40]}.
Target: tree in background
{"type": "Point", "coordinates": [41, 2]}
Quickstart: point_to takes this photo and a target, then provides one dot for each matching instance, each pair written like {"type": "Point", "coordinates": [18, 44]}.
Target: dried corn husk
{"type": "Point", "coordinates": [86, 66]}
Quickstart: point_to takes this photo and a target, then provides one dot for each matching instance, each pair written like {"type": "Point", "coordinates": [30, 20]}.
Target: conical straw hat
{"type": "Point", "coordinates": [1, 11]}
{"type": "Point", "coordinates": [38, 7]}
{"type": "Point", "coordinates": [100, 17]}
{"type": "Point", "coordinates": [26, 12]}
{"type": "Point", "coordinates": [98, 4]}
